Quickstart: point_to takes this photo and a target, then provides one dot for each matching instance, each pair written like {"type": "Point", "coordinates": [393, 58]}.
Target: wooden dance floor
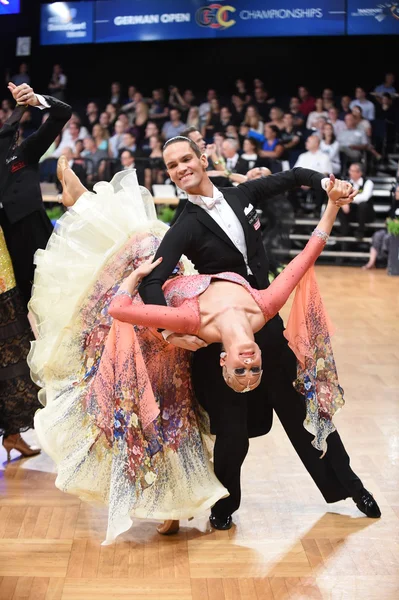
{"type": "Point", "coordinates": [286, 543]}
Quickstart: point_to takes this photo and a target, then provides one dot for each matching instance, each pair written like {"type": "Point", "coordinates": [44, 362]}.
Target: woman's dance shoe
{"type": "Point", "coordinates": [168, 527]}
{"type": "Point", "coordinates": [16, 442]}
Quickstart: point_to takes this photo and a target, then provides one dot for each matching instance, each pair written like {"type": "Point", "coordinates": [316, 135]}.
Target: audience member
{"type": "Point", "coordinates": [150, 130]}
{"type": "Point", "coordinates": [241, 91]}
{"type": "Point", "coordinates": [261, 102]}
{"type": "Point", "coordinates": [299, 118]}
{"type": "Point", "coordinates": [367, 107]}
{"type": "Point", "coordinates": [386, 88]}
{"type": "Point", "coordinates": [352, 142]}
{"type": "Point", "coordinates": [272, 148]}
{"type": "Point", "coordinates": [252, 119]}
{"type": "Point", "coordinates": [173, 127]}
{"type": "Point", "coordinates": [307, 101]}
{"type": "Point", "coordinates": [380, 241]}
{"type": "Point", "coordinates": [212, 123]}
{"type": "Point", "coordinates": [92, 115]}
{"type": "Point", "coordinates": [315, 114]}
{"type": "Point", "coordinates": [361, 209]}
{"type": "Point", "coordinates": [193, 118]}
{"type": "Point", "coordinates": [116, 94]}
{"type": "Point", "coordinates": [58, 83]}
{"type": "Point", "coordinates": [277, 118]}
{"type": "Point", "coordinates": [345, 107]}
{"type": "Point", "coordinates": [94, 156]}
{"type": "Point", "coordinates": [158, 109]}
{"type": "Point", "coordinates": [314, 158]}
{"type": "Point", "coordinates": [239, 110]}
{"type": "Point", "coordinates": [115, 142]}
{"type": "Point", "coordinates": [330, 146]}
{"type": "Point", "coordinates": [337, 123]}
{"type": "Point", "coordinates": [230, 153]}
{"type": "Point", "coordinates": [101, 136]}
{"type": "Point", "coordinates": [22, 76]}
{"type": "Point", "coordinates": [205, 107]}
{"type": "Point", "coordinates": [361, 123]}
{"type": "Point", "coordinates": [291, 138]}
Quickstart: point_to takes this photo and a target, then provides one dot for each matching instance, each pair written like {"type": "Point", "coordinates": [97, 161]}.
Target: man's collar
{"type": "Point", "coordinates": [217, 196]}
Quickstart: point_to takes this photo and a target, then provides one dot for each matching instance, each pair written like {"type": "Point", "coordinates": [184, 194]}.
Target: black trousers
{"type": "Point", "coordinates": [362, 213]}
{"type": "Point", "coordinates": [23, 238]}
{"type": "Point", "coordinates": [236, 417]}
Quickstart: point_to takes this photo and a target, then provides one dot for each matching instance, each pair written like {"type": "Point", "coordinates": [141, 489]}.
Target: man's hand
{"type": "Point", "coordinates": [340, 192]}
{"type": "Point", "coordinates": [23, 94]}
{"type": "Point", "coordinates": [187, 342]}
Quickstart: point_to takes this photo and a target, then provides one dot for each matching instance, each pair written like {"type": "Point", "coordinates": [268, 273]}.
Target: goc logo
{"type": "Point", "coordinates": [216, 16]}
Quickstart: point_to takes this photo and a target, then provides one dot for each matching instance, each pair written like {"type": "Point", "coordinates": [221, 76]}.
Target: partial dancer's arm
{"type": "Point", "coordinates": [277, 294]}
{"type": "Point", "coordinates": [179, 320]}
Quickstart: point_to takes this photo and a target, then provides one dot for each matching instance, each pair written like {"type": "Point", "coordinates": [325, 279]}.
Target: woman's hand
{"type": "Point", "coordinates": [131, 282]}
{"type": "Point", "coordinates": [340, 192]}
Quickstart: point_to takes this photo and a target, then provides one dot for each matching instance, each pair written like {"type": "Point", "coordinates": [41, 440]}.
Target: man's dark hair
{"type": "Point", "coordinates": [180, 138]}
{"type": "Point", "coordinates": [123, 150]}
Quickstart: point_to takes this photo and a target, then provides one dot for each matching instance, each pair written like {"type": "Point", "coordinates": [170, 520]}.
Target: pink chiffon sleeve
{"type": "Point", "coordinates": [308, 333]}
{"type": "Point", "coordinates": [184, 319]}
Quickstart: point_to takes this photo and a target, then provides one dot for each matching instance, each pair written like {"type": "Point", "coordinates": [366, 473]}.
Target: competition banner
{"type": "Point", "coordinates": [67, 23]}
{"type": "Point", "coordinates": [9, 7]}
{"type": "Point", "coordinates": [370, 17]}
{"type": "Point", "coordinates": [149, 20]}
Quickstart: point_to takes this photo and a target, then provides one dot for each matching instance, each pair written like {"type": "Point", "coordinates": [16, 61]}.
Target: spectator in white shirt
{"type": "Point", "coordinates": [330, 146]}
{"type": "Point", "coordinates": [361, 210]}
{"type": "Point", "coordinates": [352, 142]}
{"type": "Point", "coordinates": [337, 123]}
{"type": "Point", "coordinates": [69, 137]}
{"type": "Point", "coordinates": [314, 158]}
{"type": "Point", "coordinates": [315, 114]}
{"type": "Point", "coordinates": [362, 124]}
{"type": "Point", "coordinates": [367, 107]}
{"type": "Point", "coordinates": [115, 143]}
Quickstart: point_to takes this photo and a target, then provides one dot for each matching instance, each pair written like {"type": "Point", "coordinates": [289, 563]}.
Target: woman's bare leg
{"type": "Point", "coordinates": [72, 187]}
{"type": "Point", "coordinates": [372, 259]}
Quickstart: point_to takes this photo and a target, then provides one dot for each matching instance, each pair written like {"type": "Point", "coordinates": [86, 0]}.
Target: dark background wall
{"type": "Point", "coordinates": [283, 63]}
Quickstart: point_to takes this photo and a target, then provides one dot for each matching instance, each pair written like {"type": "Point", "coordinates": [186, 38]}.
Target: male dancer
{"type": "Point", "coordinates": [219, 231]}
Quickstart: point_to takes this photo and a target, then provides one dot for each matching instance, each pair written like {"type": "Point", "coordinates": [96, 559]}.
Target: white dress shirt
{"type": "Point", "coordinates": [318, 161]}
{"type": "Point", "coordinates": [368, 108]}
{"type": "Point", "coordinates": [366, 192]}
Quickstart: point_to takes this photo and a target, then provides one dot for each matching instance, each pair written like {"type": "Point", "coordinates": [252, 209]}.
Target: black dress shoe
{"type": "Point", "coordinates": [366, 504]}
{"type": "Point", "coordinates": [221, 524]}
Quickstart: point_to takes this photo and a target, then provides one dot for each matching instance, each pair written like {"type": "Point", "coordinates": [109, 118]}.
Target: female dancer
{"type": "Point", "coordinates": [142, 448]}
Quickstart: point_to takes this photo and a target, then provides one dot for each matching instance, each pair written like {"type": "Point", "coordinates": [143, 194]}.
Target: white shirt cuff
{"type": "Point", "coordinates": [324, 183]}
{"type": "Point", "coordinates": [166, 333]}
{"type": "Point", "coordinates": [43, 103]}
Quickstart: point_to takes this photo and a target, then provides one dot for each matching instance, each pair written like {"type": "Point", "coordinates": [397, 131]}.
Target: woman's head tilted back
{"type": "Point", "coordinates": [242, 367]}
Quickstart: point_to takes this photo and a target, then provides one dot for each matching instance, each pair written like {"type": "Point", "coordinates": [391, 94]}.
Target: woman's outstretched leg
{"type": "Point", "coordinates": [72, 187]}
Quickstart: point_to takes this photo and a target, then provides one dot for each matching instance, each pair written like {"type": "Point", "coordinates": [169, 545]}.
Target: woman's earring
{"type": "Point", "coordinates": [223, 354]}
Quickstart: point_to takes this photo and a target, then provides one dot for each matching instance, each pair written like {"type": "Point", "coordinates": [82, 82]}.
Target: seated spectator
{"type": "Point", "coordinates": [352, 142]}
{"type": "Point", "coordinates": [150, 130]}
{"type": "Point", "coordinates": [261, 102]}
{"type": "Point", "coordinates": [345, 107]}
{"type": "Point", "coordinates": [386, 88]}
{"type": "Point", "coordinates": [205, 107]}
{"type": "Point", "coordinates": [105, 122]}
{"type": "Point", "coordinates": [131, 92]}
{"type": "Point", "coordinates": [252, 119]}
{"type": "Point", "coordinates": [140, 119]}
{"type": "Point", "coordinates": [314, 158]}
{"type": "Point", "coordinates": [337, 123]}
{"type": "Point", "coordinates": [232, 133]}
{"type": "Point", "coordinates": [367, 107]}
{"type": "Point", "coordinates": [101, 137]}
{"type": "Point", "coordinates": [125, 122]}
{"type": "Point", "coordinates": [250, 158]}
{"type": "Point", "coordinates": [215, 159]}
{"type": "Point", "coordinates": [330, 146]}
{"type": "Point", "coordinates": [385, 125]}
{"type": "Point", "coordinates": [212, 123]}
{"type": "Point", "coordinates": [115, 142]}
{"type": "Point", "coordinates": [291, 138]}
{"type": "Point", "coordinates": [241, 90]}
{"type": "Point", "coordinates": [58, 83]}
{"type": "Point", "coordinates": [226, 118]}
{"type": "Point", "coordinates": [193, 118]}
{"type": "Point", "coordinates": [112, 111]}
{"type": "Point", "coordinates": [173, 127]}
{"type": "Point", "coordinates": [230, 153]}
{"type": "Point", "coordinates": [315, 114]}
{"type": "Point", "coordinates": [328, 98]}
{"type": "Point", "coordinates": [239, 109]}
{"type": "Point", "coordinates": [361, 124]}
{"type": "Point", "coordinates": [307, 101]}
{"type": "Point", "coordinates": [277, 118]}
{"type": "Point", "coordinates": [155, 172]}
{"type": "Point", "coordinates": [380, 241]}
{"type": "Point", "coordinates": [158, 109]}
{"type": "Point", "coordinates": [22, 76]}
{"type": "Point", "coordinates": [77, 155]}
{"type": "Point", "coordinates": [7, 108]}
{"type": "Point", "coordinates": [70, 134]}
{"type": "Point", "coordinates": [319, 126]}
{"type": "Point", "coordinates": [92, 115]}
{"type": "Point", "coordinates": [129, 142]}
{"type": "Point", "coordinates": [128, 162]}
{"type": "Point", "coordinates": [272, 148]}
{"type": "Point", "coordinates": [93, 156]}
{"type": "Point", "coordinates": [299, 118]}
{"type": "Point", "coordinates": [116, 94]}
{"type": "Point", "coordinates": [361, 209]}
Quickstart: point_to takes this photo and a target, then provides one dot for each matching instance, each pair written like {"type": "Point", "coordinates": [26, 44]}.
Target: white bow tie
{"type": "Point", "coordinates": [208, 202]}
